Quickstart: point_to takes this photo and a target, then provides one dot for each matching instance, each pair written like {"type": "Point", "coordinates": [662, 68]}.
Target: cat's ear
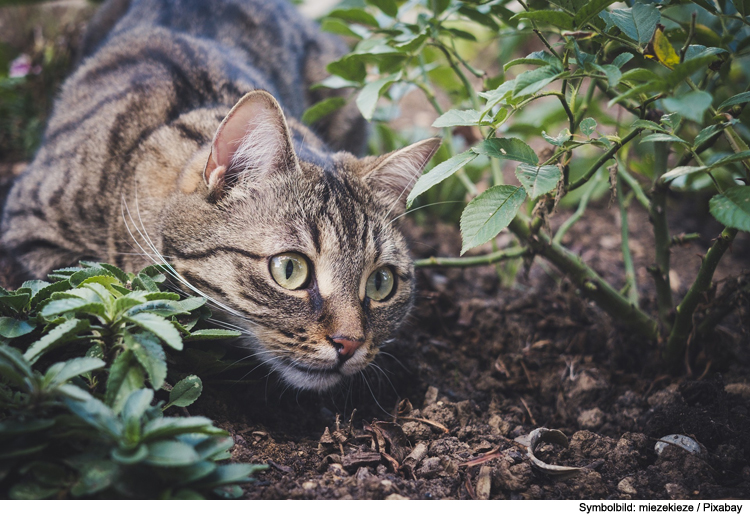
{"type": "Point", "coordinates": [396, 173]}
{"type": "Point", "coordinates": [252, 141]}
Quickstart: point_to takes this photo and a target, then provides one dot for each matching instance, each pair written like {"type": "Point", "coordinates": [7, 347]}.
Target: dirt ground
{"type": "Point", "coordinates": [477, 367]}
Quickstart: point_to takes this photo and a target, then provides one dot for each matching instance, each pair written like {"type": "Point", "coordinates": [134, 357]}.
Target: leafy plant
{"type": "Point", "coordinates": [81, 361]}
{"type": "Point", "coordinates": [676, 70]}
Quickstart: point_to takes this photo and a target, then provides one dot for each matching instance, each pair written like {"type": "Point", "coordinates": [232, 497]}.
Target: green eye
{"type": "Point", "coordinates": [379, 284]}
{"type": "Point", "coordinates": [290, 270]}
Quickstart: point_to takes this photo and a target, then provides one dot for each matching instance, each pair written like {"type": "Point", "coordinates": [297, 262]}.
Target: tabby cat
{"type": "Point", "coordinates": [178, 140]}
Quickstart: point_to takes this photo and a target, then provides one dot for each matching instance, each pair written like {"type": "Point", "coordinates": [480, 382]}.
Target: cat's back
{"type": "Point", "coordinates": [154, 81]}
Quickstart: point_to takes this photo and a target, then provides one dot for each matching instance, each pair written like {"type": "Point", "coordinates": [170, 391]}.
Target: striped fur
{"type": "Point", "coordinates": [150, 156]}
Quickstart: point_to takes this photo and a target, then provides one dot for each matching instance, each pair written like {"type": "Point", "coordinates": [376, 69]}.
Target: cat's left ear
{"type": "Point", "coordinates": [252, 141]}
{"type": "Point", "coordinates": [396, 173]}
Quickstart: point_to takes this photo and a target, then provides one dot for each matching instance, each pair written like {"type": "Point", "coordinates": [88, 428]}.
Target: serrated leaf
{"type": "Point", "coordinates": [17, 301]}
{"type": "Point", "coordinates": [150, 354]}
{"type": "Point", "coordinates": [202, 335]}
{"type": "Point", "coordinates": [349, 67]}
{"type": "Point", "coordinates": [161, 308]}
{"type": "Point", "coordinates": [11, 328]}
{"type": "Point", "coordinates": [732, 208]}
{"type": "Point", "coordinates": [647, 125]}
{"type": "Point", "coordinates": [56, 337]}
{"type": "Point", "coordinates": [691, 105]}
{"type": "Point", "coordinates": [159, 326]}
{"type": "Point", "coordinates": [590, 10]}
{"type": "Point", "coordinates": [530, 82]}
{"type": "Point", "coordinates": [458, 118]}
{"type": "Point", "coordinates": [507, 148]}
{"type": "Point", "coordinates": [125, 377]}
{"type": "Point", "coordinates": [741, 98]}
{"type": "Point", "coordinates": [170, 453]}
{"type": "Point", "coordinates": [538, 58]}
{"type": "Point", "coordinates": [78, 277]}
{"type": "Point", "coordinates": [538, 180]}
{"type": "Point", "coordinates": [588, 126]}
{"type": "Point", "coordinates": [192, 303]}
{"type": "Point", "coordinates": [322, 108]}
{"type": "Point", "coordinates": [489, 213]}
{"type": "Point", "coordinates": [707, 133]}
{"type": "Point", "coordinates": [72, 368]}
{"type": "Point", "coordinates": [548, 17]}
{"type": "Point", "coordinates": [173, 426]}
{"type": "Point", "coordinates": [665, 52]}
{"type": "Point", "coordinates": [613, 73]}
{"type": "Point", "coordinates": [696, 51]}
{"type": "Point", "coordinates": [186, 391]}
{"type": "Point", "coordinates": [367, 100]}
{"type": "Point", "coordinates": [638, 22]}
{"type": "Point", "coordinates": [77, 305]}
{"type": "Point", "coordinates": [622, 59]}
{"type": "Point", "coordinates": [655, 138]}
{"type": "Point", "coordinates": [95, 413]}
{"type": "Point", "coordinates": [47, 291]}
{"type": "Point", "coordinates": [439, 173]}
{"type": "Point", "coordinates": [558, 141]}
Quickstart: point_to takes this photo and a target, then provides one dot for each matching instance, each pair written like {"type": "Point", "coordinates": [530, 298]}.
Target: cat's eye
{"type": "Point", "coordinates": [290, 270]}
{"type": "Point", "coordinates": [380, 284]}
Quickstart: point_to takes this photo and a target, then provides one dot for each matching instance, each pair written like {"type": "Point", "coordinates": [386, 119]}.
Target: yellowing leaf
{"type": "Point", "coordinates": [665, 52]}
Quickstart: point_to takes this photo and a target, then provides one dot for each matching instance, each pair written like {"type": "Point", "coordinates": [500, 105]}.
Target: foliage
{"type": "Point", "coordinates": [81, 360]}
{"type": "Point", "coordinates": [639, 92]}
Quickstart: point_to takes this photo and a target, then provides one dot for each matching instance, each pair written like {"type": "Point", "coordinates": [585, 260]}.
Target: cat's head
{"type": "Point", "coordinates": [301, 247]}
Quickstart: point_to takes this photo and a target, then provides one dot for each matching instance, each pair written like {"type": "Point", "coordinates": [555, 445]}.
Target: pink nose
{"type": "Point", "coordinates": [346, 346]}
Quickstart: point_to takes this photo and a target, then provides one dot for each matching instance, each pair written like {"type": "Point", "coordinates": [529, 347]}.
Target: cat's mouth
{"type": "Point", "coordinates": [309, 377]}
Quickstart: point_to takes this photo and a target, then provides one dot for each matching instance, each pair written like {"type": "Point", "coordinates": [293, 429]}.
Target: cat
{"type": "Point", "coordinates": [178, 139]}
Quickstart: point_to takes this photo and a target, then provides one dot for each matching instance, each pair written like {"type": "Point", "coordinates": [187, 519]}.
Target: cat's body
{"type": "Point", "coordinates": [149, 153]}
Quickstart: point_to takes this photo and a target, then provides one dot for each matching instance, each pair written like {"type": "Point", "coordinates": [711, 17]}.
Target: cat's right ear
{"type": "Point", "coordinates": [252, 141]}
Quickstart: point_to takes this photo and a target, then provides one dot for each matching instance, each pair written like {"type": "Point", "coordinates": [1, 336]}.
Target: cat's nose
{"type": "Point", "coordinates": [346, 346]}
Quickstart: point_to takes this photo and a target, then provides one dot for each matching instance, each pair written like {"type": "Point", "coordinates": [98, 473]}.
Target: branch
{"type": "Point", "coordinates": [658, 217]}
{"type": "Point", "coordinates": [465, 262]}
{"type": "Point", "coordinates": [603, 159]}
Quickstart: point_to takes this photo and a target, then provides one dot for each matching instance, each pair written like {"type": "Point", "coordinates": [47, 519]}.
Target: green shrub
{"type": "Point", "coordinates": [81, 359]}
{"type": "Point", "coordinates": [676, 72]}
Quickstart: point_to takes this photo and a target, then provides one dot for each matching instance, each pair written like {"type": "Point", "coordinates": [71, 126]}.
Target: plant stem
{"type": "Point", "coordinates": [585, 278]}
{"type": "Point", "coordinates": [683, 323]}
{"type": "Point", "coordinates": [689, 38]}
{"type": "Point", "coordinates": [578, 214]}
{"type": "Point", "coordinates": [539, 33]}
{"type": "Point", "coordinates": [464, 262]}
{"type": "Point", "coordinates": [627, 105]}
{"type": "Point", "coordinates": [602, 160]}
{"type": "Point", "coordinates": [640, 196]}
{"type": "Point", "coordinates": [631, 285]}
{"type": "Point", "coordinates": [658, 216]}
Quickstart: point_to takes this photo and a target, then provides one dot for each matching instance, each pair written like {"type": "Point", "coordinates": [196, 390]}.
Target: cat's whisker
{"type": "Point", "coordinates": [387, 378]}
{"type": "Point", "coordinates": [388, 413]}
{"type": "Point", "coordinates": [423, 206]}
{"type": "Point", "coordinates": [396, 360]}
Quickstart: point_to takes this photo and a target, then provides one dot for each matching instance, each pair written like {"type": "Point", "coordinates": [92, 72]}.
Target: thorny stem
{"type": "Point", "coordinates": [658, 216]}
{"type": "Point", "coordinates": [631, 285]}
{"type": "Point", "coordinates": [481, 260]}
{"type": "Point", "coordinates": [585, 278]}
{"type": "Point", "coordinates": [603, 159]}
{"type": "Point", "coordinates": [578, 214]}
{"type": "Point", "coordinates": [683, 323]}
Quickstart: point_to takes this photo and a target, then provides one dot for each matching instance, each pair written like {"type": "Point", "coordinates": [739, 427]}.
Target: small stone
{"type": "Point", "coordinates": [396, 496]}
{"type": "Point", "coordinates": [738, 389]}
{"type": "Point", "coordinates": [626, 486]}
{"type": "Point", "coordinates": [591, 418]}
{"type": "Point", "coordinates": [430, 396]}
{"type": "Point", "coordinates": [309, 485]}
{"type": "Point", "coordinates": [484, 483]}
{"type": "Point", "coordinates": [676, 491]}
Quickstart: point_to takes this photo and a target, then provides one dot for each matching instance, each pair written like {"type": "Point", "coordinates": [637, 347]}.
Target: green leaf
{"type": "Point", "coordinates": [558, 141]}
{"type": "Point", "coordinates": [95, 413]}
{"type": "Point", "coordinates": [480, 18]}
{"type": "Point", "coordinates": [613, 73]}
{"type": "Point", "coordinates": [691, 105]}
{"type": "Point", "coordinates": [507, 148]}
{"type": "Point", "coordinates": [732, 208]}
{"type": "Point", "coordinates": [321, 109]}
{"type": "Point", "coordinates": [150, 354]}
{"type": "Point", "coordinates": [72, 368]}
{"type": "Point", "coordinates": [78, 277]}
{"type": "Point", "coordinates": [35, 286]}
{"type": "Point", "coordinates": [171, 427]}
{"type": "Point", "coordinates": [171, 453]}
{"type": "Point", "coordinates": [735, 100]}
{"type": "Point", "coordinates": [96, 476]}
{"type": "Point", "coordinates": [11, 328]}
{"type": "Point", "coordinates": [590, 10]}
{"type": "Point", "coordinates": [458, 118]}
{"type": "Point", "coordinates": [439, 173]}
{"type": "Point", "coordinates": [338, 27]}
{"type": "Point", "coordinates": [622, 59]}
{"type": "Point", "coordinates": [685, 69]}
{"type": "Point", "coordinates": [388, 7]}
{"type": "Point", "coordinates": [161, 308]}
{"type": "Point", "coordinates": [204, 335]}
{"type": "Point", "coordinates": [671, 120]}
{"type": "Point", "coordinates": [136, 405]}
{"type": "Point", "coordinates": [678, 172]}
{"type": "Point", "coordinates": [185, 392]}
{"type": "Point", "coordinates": [654, 138]}
{"type": "Point", "coordinates": [229, 474]}
{"type": "Point", "coordinates": [359, 16]}
{"type": "Point", "coordinates": [47, 291]}
{"type": "Point", "coordinates": [191, 303]}
{"type": "Point", "coordinates": [125, 377]}
{"type": "Point", "coordinates": [538, 180]}
{"type": "Point", "coordinates": [530, 82]}
{"type": "Point", "coordinates": [32, 490]}
{"type": "Point", "coordinates": [77, 305]}
{"type": "Point", "coordinates": [498, 94]}
{"type": "Point", "coordinates": [349, 67]}
{"type": "Point", "coordinates": [229, 492]}
{"type": "Point", "coordinates": [16, 428]}
{"type": "Point", "coordinates": [647, 125]}
{"type": "Point", "coordinates": [158, 326]}
{"type": "Point", "coordinates": [215, 448]}
{"type": "Point", "coordinates": [129, 456]}
{"type": "Point", "coordinates": [588, 126]}
{"type": "Point", "coordinates": [14, 365]}
{"type": "Point", "coordinates": [367, 100]}
{"type": "Point", "coordinates": [739, 156]}
{"type": "Point", "coordinates": [16, 301]}
{"type": "Point", "coordinates": [639, 75]}
{"type": "Point", "coordinates": [144, 282]}
{"type": "Point", "coordinates": [56, 337]}
{"type": "Point", "coordinates": [489, 213]}
{"type": "Point", "coordinates": [551, 18]}
{"type": "Point", "coordinates": [707, 133]}
{"type": "Point", "coordinates": [638, 22]}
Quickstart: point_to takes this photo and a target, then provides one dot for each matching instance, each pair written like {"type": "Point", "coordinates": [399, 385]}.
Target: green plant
{"type": "Point", "coordinates": [677, 71]}
{"type": "Point", "coordinates": [81, 360]}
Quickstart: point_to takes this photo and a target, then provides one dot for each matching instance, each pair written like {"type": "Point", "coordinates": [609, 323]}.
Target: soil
{"type": "Point", "coordinates": [447, 408]}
